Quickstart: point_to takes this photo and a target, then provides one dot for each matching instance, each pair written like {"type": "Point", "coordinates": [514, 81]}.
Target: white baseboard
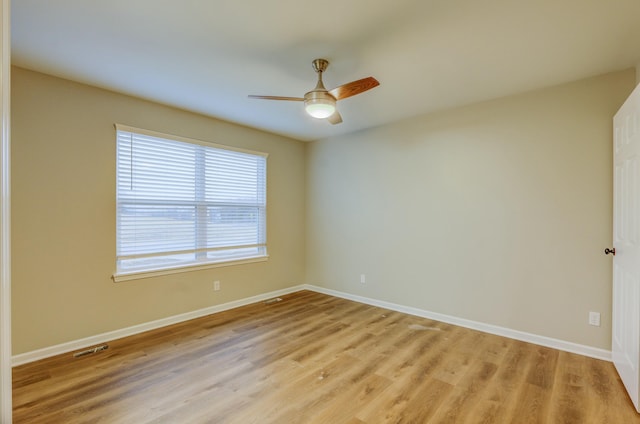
{"type": "Point", "coordinates": [486, 328]}
{"type": "Point", "coordinates": [36, 355]}
{"type": "Point", "coordinates": [47, 352]}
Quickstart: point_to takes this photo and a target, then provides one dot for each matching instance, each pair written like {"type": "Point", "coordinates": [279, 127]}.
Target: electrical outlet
{"type": "Point", "coordinates": [216, 285]}
{"type": "Point", "coordinates": [594, 318]}
{"type": "Point", "coordinates": [363, 279]}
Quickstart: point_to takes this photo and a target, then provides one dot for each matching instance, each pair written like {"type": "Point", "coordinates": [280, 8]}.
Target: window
{"type": "Point", "coordinates": [184, 203]}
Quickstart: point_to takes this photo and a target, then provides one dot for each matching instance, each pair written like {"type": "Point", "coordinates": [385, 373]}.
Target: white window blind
{"type": "Point", "coordinates": [183, 203]}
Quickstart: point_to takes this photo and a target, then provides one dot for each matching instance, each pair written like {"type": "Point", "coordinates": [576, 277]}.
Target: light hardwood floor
{"type": "Point", "coordinates": [314, 358]}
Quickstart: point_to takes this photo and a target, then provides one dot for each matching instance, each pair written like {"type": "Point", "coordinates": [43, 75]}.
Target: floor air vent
{"type": "Point", "coordinates": [90, 351]}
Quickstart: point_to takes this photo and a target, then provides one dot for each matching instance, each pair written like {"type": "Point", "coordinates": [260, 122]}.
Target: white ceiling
{"type": "Point", "coordinates": [208, 55]}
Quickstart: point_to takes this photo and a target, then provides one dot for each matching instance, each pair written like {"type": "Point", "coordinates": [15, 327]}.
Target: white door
{"type": "Point", "coordinates": [5, 289]}
{"type": "Point", "coordinates": [626, 241]}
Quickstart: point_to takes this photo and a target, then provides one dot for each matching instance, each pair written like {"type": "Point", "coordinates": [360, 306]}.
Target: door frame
{"type": "Point", "coordinates": [5, 209]}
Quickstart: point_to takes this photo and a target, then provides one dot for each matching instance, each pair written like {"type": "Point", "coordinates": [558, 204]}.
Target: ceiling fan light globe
{"type": "Point", "coordinates": [320, 108]}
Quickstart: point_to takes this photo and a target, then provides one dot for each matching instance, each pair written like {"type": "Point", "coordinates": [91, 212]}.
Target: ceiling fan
{"type": "Point", "coordinates": [321, 103]}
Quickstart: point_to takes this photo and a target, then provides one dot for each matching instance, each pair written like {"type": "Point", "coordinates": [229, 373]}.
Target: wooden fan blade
{"type": "Point", "coordinates": [354, 87]}
{"type": "Point", "coordinates": [335, 118]}
{"type": "Point", "coordinates": [295, 99]}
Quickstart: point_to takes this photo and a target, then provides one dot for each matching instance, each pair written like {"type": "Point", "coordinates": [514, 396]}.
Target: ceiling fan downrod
{"type": "Point", "coordinates": [320, 65]}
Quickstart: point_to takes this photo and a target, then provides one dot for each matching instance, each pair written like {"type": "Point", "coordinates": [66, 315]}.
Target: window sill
{"type": "Point", "coordinates": [136, 275]}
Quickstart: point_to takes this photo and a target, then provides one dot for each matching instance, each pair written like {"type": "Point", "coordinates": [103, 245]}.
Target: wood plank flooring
{"type": "Point", "coordinates": [314, 358]}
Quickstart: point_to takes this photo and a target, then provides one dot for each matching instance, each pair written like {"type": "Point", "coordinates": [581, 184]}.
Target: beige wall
{"type": "Point", "coordinates": [63, 206]}
{"type": "Point", "coordinates": [497, 212]}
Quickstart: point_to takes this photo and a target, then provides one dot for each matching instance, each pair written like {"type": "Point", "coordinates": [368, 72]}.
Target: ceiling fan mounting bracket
{"type": "Point", "coordinates": [320, 65]}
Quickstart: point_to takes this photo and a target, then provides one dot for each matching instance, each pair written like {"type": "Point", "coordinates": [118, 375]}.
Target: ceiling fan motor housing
{"type": "Point", "coordinates": [319, 103]}
{"type": "Point", "coordinates": [318, 96]}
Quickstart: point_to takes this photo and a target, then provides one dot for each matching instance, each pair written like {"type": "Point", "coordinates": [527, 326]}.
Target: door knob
{"type": "Point", "coordinates": [612, 251]}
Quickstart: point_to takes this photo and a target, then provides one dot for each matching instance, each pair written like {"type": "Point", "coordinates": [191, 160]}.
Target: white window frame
{"type": "Point", "coordinates": [201, 261]}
